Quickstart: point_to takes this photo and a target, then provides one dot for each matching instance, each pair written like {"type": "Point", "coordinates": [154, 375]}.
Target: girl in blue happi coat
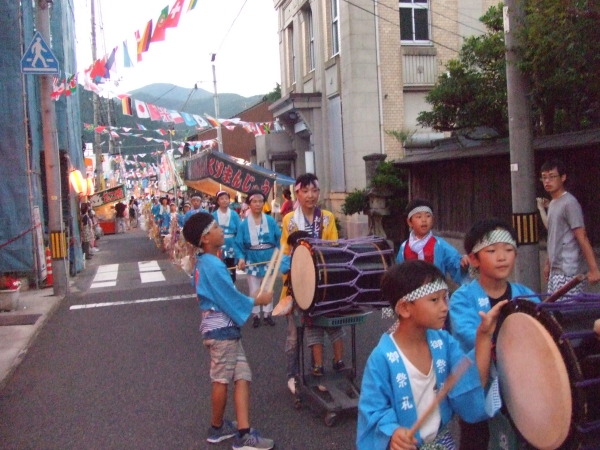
{"type": "Point", "coordinates": [257, 238]}
{"type": "Point", "coordinates": [410, 364]}
{"type": "Point", "coordinates": [230, 221]}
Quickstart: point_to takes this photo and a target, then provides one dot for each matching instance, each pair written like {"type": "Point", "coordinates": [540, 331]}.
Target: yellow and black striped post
{"type": "Point", "coordinates": [526, 226]}
{"type": "Point", "coordinates": [58, 244]}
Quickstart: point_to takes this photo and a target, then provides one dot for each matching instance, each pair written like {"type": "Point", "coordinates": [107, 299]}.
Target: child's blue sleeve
{"type": "Point", "coordinates": [286, 262]}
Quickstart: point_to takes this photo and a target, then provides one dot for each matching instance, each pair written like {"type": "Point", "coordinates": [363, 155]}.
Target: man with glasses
{"type": "Point", "coordinates": [568, 244]}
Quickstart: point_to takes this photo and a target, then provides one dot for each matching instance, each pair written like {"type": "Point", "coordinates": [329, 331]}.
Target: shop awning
{"type": "Point", "coordinates": [211, 170]}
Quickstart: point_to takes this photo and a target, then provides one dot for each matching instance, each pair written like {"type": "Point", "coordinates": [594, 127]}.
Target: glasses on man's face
{"type": "Point", "coordinates": [550, 177]}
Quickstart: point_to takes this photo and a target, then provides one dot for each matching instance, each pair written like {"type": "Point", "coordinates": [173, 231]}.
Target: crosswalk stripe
{"type": "Point", "coordinates": [150, 272]}
{"type": "Point", "coordinates": [106, 276]}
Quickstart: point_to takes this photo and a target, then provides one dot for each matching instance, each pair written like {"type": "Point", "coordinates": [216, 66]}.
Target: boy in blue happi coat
{"type": "Point", "coordinates": [412, 363]}
{"type": "Point", "coordinates": [491, 245]}
{"type": "Point", "coordinates": [224, 310]}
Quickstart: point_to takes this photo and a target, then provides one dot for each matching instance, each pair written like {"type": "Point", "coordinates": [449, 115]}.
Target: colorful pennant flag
{"type": "Point", "coordinates": [159, 31]}
{"type": "Point", "coordinates": [153, 110]}
{"type": "Point", "coordinates": [126, 58]}
{"type": "Point", "coordinates": [143, 40]}
{"type": "Point", "coordinates": [173, 18]}
{"type": "Point", "coordinates": [192, 4]}
{"type": "Point", "coordinates": [126, 105]}
{"type": "Point", "coordinates": [142, 110]}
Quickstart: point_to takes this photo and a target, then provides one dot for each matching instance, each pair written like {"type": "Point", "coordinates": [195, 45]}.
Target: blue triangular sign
{"type": "Point", "coordinates": [38, 58]}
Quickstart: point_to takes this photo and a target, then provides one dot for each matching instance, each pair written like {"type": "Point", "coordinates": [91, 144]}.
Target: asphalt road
{"type": "Point", "coordinates": [123, 367]}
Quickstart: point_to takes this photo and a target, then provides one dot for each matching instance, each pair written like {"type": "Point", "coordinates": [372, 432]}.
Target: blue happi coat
{"type": "Point", "coordinates": [386, 399]}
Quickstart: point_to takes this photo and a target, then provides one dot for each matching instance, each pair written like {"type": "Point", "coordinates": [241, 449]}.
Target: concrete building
{"type": "Point", "coordinates": [355, 75]}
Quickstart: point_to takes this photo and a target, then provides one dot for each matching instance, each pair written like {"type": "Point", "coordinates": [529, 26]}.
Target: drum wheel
{"type": "Point", "coordinates": [330, 419]}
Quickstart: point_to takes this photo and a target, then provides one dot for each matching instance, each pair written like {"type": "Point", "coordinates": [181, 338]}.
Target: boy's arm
{"type": "Point", "coordinates": [483, 340]}
{"type": "Point", "coordinates": [593, 275]}
{"type": "Point", "coordinates": [464, 316]}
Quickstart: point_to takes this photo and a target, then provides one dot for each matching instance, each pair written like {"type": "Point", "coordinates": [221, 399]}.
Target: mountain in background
{"type": "Point", "coordinates": [193, 101]}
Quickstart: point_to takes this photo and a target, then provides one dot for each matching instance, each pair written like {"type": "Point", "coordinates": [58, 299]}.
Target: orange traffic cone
{"type": "Point", "coordinates": [49, 277]}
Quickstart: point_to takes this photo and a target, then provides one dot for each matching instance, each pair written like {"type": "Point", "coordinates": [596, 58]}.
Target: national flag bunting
{"type": "Point", "coordinates": [126, 105]}
{"type": "Point", "coordinates": [192, 4]}
{"type": "Point", "coordinates": [173, 18]}
{"type": "Point", "coordinates": [159, 30]}
{"type": "Point", "coordinates": [143, 40]}
{"type": "Point", "coordinates": [142, 110]}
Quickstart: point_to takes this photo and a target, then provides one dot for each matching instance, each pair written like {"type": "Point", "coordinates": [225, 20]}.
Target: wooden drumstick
{"type": "Point", "coordinates": [460, 370]}
{"type": "Point", "coordinates": [273, 276]}
{"type": "Point", "coordinates": [269, 269]}
{"type": "Point", "coordinates": [566, 288]}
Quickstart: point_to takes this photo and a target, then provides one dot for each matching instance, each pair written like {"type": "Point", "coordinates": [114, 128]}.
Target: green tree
{"type": "Point", "coordinates": [274, 95]}
{"type": "Point", "coordinates": [472, 92]}
{"type": "Point", "coordinates": [561, 56]}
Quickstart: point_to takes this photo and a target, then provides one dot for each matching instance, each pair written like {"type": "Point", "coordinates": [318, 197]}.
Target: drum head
{"type": "Point", "coordinates": [303, 277]}
{"type": "Point", "coordinates": [534, 381]}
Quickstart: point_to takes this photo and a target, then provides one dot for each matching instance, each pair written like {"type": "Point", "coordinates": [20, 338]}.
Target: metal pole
{"type": "Point", "coordinates": [58, 240]}
{"type": "Point", "coordinates": [522, 162]}
{"type": "Point", "coordinates": [96, 106]}
{"type": "Point", "coordinates": [216, 99]}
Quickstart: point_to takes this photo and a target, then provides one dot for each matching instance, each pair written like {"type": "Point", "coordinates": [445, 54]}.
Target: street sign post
{"type": "Point", "coordinates": [38, 58]}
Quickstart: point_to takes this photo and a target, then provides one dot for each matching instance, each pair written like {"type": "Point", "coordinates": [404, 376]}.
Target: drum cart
{"type": "Point", "coordinates": [335, 393]}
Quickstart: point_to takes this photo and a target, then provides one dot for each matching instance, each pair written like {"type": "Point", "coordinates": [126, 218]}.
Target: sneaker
{"type": "Point", "coordinates": [256, 322]}
{"type": "Point", "coordinates": [291, 383]}
{"type": "Point", "coordinates": [269, 320]}
{"type": "Point", "coordinates": [227, 430]}
{"type": "Point", "coordinates": [339, 365]}
{"type": "Point", "coordinates": [252, 441]}
{"type": "Point", "coordinates": [317, 371]}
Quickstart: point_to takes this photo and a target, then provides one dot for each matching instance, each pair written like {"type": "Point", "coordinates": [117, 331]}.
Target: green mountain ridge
{"type": "Point", "coordinates": [193, 101]}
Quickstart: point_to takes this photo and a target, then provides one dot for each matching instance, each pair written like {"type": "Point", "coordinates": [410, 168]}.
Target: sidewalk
{"type": "Point", "coordinates": [34, 308]}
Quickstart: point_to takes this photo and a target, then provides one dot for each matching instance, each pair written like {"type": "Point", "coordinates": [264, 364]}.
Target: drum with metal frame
{"type": "Point", "coordinates": [548, 360]}
{"type": "Point", "coordinates": [339, 276]}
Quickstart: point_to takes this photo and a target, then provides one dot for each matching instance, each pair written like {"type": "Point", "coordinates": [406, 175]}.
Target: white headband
{"type": "Point", "coordinates": [426, 289]}
{"type": "Point", "coordinates": [419, 209]}
{"type": "Point", "coordinates": [208, 228]}
{"type": "Point", "coordinates": [299, 186]}
{"type": "Point", "coordinates": [494, 237]}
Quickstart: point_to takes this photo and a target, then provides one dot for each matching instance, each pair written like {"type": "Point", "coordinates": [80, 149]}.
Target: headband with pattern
{"type": "Point", "coordinates": [419, 209]}
{"type": "Point", "coordinates": [208, 228]}
{"type": "Point", "coordinates": [426, 289]}
{"type": "Point", "coordinates": [494, 237]}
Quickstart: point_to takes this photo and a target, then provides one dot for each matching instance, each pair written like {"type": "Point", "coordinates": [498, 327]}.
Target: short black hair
{"type": "Point", "coordinates": [483, 227]}
{"type": "Point", "coordinates": [287, 194]}
{"type": "Point", "coordinates": [400, 279]}
{"type": "Point", "coordinates": [294, 237]}
{"type": "Point", "coordinates": [554, 163]}
{"type": "Point", "coordinates": [306, 180]}
{"type": "Point", "coordinates": [195, 226]}
{"type": "Point", "coordinates": [415, 204]}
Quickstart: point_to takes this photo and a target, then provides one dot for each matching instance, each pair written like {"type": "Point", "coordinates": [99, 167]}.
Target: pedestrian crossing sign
{"type": "Point", "coordinates": [38, 58]}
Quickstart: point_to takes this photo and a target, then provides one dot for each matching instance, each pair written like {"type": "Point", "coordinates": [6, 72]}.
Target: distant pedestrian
{"type": "Point", "coordinates": [120, 224]}
{"type": "Point", "coordinates": [224, 310]}
{"type": "Point", "coordinates": [569, 248]}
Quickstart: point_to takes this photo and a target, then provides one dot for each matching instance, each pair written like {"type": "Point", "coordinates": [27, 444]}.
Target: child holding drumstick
{"type": "Point", "coordinates": [409, 365]}
{"type": "Point", "coordinates": [491, 245]}
{"type": "Point", "coordinates": [224, 311]}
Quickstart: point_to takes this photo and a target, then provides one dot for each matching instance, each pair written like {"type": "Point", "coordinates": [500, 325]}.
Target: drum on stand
{"type": "Point", "coordinates": [339, 276]}
{"type": "Point", "coordinates": [548, 360]}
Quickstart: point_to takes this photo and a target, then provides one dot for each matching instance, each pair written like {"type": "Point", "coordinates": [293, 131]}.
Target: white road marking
{"type": "Point", "coordinates": [106, 275]}
{"type": "Point", "coordinates": [150, 272]}
{"type": "Point", "coordinates": [133, 302]}
{"type": "Point", "coordinates": [151, 277]}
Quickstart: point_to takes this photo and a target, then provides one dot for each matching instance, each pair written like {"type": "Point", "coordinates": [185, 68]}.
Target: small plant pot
{"type": "Point", "coordinates": [9, 299]}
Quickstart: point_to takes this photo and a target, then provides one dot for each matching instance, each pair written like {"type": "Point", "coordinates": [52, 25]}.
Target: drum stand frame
{"type": "Point", "coordinates": [335, 392]}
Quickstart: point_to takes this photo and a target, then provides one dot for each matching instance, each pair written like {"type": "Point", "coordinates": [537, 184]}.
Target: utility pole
{"type": "Point", "coordinates": [58, 241]}
{"type": "Point", "coordinates": [96, 106]}
{"type": "Point", "coordinates": [522, 162]}
{"type": "Point", "coordinates": [213, 56]}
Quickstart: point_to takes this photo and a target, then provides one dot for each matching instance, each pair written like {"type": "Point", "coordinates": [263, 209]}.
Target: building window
{"type": "Point", "coordinates": [414, 21]}
{"type": "Point", "coordinates": [335, 28]}
{"type": "Point", "coordinates": [310, 37]}
{"type": "Point", "coordinates": [291, 55]}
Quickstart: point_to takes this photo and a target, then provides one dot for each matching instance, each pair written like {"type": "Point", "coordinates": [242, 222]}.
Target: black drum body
{"type": "Point", "coordinates": [339, 276]}
{"type": "Point", "coordinates": [548, 360]}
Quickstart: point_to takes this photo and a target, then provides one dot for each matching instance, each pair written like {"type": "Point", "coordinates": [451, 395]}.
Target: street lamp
{"type": "Point", "coordinates": [213, 56]}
